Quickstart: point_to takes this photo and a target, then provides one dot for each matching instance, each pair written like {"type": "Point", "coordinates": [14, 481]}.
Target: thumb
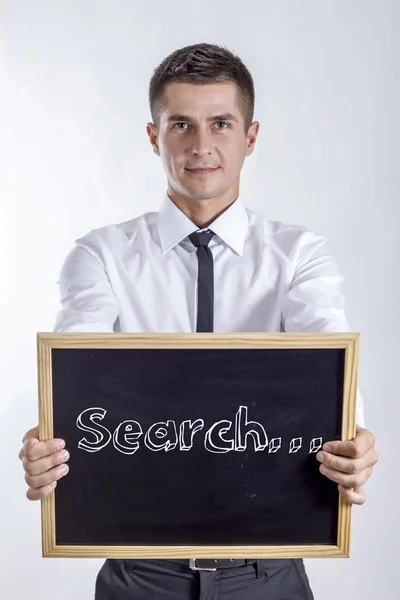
{"type": "Point", "coordinates": [32, 433]}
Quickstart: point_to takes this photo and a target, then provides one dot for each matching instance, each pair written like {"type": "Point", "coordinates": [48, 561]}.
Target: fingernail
{"type": "Point", "coordinates": [53, 485]}
{"type": "Point", "coordinates": [323, 469]}
{"type": "Point", "coordinates": [60, 444]}
{"type": "Point", "coordinates": [63, 469]}
{"type": "Point", "coordinates": [64, 455]}
{"type": "Point", "coordinates": [320, 456]}
{"type": "Point", "coordinates": [327, 448]}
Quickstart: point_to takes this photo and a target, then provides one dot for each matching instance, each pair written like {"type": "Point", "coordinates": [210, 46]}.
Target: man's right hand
{"type": "Point", "coordinates": [43, 462]}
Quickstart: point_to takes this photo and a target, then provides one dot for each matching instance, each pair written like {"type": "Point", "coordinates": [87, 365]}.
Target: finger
{"type": "Point", "coordinates": [356, 496]}
{"type": "Point", "coordinates": [40, 493]}
{"type": "Point", "coordinates": [355, 448]}
{"type": "Point", "coordinates": [37, 481]}
{"type": "Point", "coordinates": [42, 465]}
{"type": "Point", "coordinates": [32, 433]}
{"type": "Point", "coordinates": [34, 449]}
{"type": "Point", "coordinates": [347, 465]}
{"type": "Point", "coordinates": [351, 481]}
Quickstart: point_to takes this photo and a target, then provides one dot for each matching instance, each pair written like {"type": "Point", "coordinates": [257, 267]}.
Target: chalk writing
{"type": "Point", "coordinates": [223, 436]}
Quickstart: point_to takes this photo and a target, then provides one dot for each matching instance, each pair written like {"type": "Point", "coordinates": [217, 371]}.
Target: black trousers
{"type": "Point", "coordinates": [269, 579]}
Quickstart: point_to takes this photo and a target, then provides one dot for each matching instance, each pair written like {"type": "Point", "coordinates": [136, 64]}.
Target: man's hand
{"type": "Point", "coordinates": [350, 464]}
{"type": "Point", "coordinates": [43, 462]}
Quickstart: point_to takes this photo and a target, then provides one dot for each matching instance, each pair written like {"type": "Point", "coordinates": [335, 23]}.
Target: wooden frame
{"type": "Point", "coordinates": [46, 341]}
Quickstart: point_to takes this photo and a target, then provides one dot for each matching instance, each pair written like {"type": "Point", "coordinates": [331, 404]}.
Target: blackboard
{"type": "Point", "coordinates": [181, 446]}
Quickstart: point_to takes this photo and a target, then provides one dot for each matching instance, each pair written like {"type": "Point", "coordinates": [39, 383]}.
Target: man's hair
{"type": "Point", "coordinates": [202, 64]}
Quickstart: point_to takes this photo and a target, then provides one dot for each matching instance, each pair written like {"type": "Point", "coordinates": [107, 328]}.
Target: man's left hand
{"type": "Point", "coordinates": [350, 464]}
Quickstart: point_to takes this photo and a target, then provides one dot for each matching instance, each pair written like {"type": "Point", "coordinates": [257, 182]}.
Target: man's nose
{"type": "Point", "coordinates": [201, 144]}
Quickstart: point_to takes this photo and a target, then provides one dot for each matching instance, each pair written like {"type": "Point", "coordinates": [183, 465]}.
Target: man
{"type": "Point", "coordinates": [203, 263]}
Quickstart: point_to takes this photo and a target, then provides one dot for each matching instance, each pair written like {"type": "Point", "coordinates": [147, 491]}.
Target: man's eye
{"type": "Point", "coordinates": [217, 122]}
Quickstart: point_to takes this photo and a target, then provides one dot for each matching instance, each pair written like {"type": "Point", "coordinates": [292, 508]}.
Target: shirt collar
{"type": "Point", "coordinates": [174, 226]}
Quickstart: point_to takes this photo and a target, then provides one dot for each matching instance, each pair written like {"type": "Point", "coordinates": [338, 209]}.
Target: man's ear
{"type": "Point", "coordinates": [153, 136]}
{"type": "Point", "coordinates": [252, 137]}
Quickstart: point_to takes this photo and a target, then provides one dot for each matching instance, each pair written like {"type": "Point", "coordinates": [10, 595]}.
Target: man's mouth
{"type": "Point", "coordinates": [202, 171]}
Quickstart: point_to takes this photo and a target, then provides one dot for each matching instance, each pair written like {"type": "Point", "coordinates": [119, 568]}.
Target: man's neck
{"type": "Point", "coordinates": [202, 212]}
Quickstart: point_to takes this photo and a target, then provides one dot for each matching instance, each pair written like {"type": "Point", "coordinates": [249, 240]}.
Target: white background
{"type": "Point", "coordinates": [74, 155]}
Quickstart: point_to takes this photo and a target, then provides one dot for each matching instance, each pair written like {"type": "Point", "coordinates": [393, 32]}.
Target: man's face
{"type": "Point", "coordinates": [202, 127]}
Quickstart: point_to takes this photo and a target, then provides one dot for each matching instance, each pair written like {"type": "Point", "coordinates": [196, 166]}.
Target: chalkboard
{"type": "Point", "coordinates": [196, 445]}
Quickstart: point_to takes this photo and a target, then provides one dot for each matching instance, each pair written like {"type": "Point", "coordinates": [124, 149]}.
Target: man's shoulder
{"type": "Point", "coordinates": [284, 234]}
{"type": "Point", "coordinates": [119, 231]}
{"type": "Point", "coordinates": [283, 231]}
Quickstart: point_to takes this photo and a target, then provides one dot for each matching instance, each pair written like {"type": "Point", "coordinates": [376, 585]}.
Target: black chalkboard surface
{"type": "Point", "coordinates": [196, 445]}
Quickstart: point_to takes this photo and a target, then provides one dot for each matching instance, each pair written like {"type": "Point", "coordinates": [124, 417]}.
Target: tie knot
{"type": "Point", "coordinates": [201, 238]}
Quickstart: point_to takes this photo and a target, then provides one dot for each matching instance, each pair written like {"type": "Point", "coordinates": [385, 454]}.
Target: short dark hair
{"type": "Point", "coordinates": [202, 64]}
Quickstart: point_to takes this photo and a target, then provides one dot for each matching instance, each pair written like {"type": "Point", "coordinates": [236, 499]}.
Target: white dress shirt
{"type": "Point", "coordinates": [141, 276]}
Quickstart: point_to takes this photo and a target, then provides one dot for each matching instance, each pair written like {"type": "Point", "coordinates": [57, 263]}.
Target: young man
{"type": "Point", "coordinates": [217, 266]}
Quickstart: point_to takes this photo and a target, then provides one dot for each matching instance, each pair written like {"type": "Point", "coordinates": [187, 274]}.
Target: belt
{"type": "Point", "coordinates": [212, 564]}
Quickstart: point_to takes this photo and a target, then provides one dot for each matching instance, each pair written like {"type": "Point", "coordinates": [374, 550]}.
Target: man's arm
{"type": "Point", "coordinates": [88, 305]}
{"type": "Point", "coordinates": [87, 299]}
{"type": "Point", "coordinates": [315, 303]}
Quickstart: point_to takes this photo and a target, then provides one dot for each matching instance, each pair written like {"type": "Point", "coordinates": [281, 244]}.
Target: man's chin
{"type": "Point", "coordinates": [198, 192]}
{"type": "Point", "coordinates": [202, 195]}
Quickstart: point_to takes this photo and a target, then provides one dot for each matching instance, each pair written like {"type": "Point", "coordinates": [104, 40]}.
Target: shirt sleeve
{"type": "Point", "coordinates": [314, 301]}
{"type": "Point", "coordinates": [87, 299]}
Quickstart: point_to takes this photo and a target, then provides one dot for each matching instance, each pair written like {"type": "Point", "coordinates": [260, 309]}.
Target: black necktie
{"type": "Point", "coordinates": [205, 280]}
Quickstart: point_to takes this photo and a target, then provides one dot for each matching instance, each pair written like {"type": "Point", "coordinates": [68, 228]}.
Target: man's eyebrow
{"type": "Point", "coordinates": [222, 117]}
